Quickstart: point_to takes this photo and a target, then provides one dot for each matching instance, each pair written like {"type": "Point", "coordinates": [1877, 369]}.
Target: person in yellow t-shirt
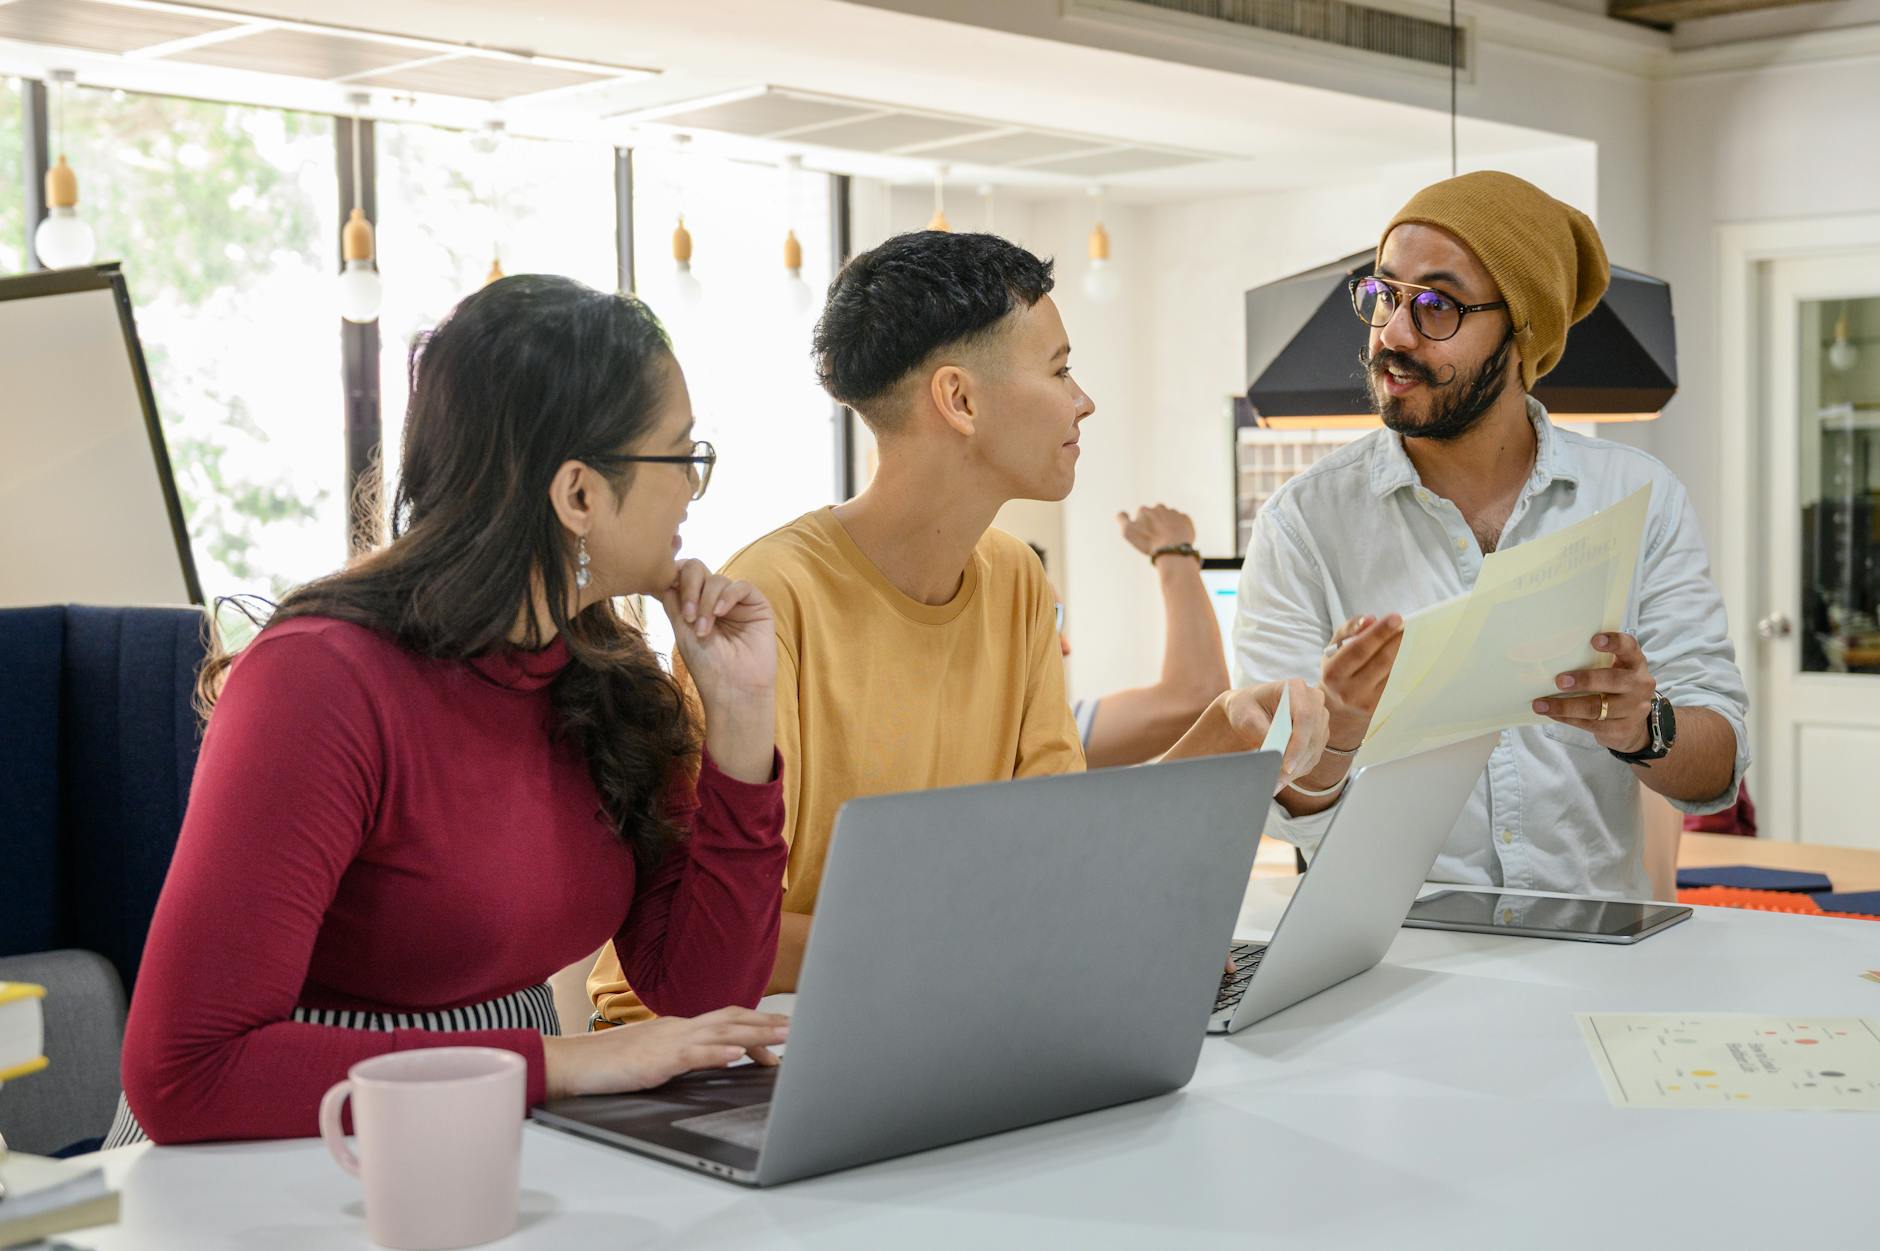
{"type": "Point", "coordinates": [917, 647]}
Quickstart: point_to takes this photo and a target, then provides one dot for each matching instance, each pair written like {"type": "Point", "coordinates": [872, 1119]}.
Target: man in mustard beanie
{"type": "Point", "coordinates": [1477, 281]}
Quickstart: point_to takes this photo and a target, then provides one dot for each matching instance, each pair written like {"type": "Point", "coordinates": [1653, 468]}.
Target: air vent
{"type": "Point", "coordinates": [879, 129]}
{"type": "Point", "coordinates": [154, 31]}
{"type": "Point", "coordinates": [1425, 40]}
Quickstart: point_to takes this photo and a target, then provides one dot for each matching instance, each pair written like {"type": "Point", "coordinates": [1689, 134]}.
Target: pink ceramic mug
{"type": "Point", "coordinates": [440, 1143]}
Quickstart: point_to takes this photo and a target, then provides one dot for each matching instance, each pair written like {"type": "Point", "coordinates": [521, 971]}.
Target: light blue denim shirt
{"type": "Point", "coordinates": [1358, 533]}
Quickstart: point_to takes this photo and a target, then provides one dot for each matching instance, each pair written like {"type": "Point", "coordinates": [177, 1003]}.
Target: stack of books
{"type": "Point", "coordinates": [22, 1030]}
{"type": "Point", "coordinates": [40, 1197]}
{"type": "Point", "coordinates": [46, 1197]}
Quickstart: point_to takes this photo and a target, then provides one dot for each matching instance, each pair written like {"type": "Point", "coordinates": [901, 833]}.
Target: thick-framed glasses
{"type": "Point", "coordinates": [698, 463]}
{"type": "Point", "coordinates": [1060, 616]}
{"type": "Point", "coordinates": [1435, 315]}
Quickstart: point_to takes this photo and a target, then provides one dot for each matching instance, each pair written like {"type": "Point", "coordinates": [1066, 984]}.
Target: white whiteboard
{"type": "Point", "coordinates": [87, 515]}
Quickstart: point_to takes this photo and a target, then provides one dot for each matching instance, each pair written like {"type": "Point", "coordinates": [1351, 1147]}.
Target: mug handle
{"type": "Point", "coordinates": [331, 1130]}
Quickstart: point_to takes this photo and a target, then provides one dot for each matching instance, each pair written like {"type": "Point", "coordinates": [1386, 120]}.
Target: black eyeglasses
{"type": "Point", "coordinates": [1435, 315]}
{"type": "Point", "coordinates": [698, 464]}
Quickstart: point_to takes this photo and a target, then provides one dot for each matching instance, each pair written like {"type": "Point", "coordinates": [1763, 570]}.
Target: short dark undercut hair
{"type": "Point", "coordinates": [893, 307]}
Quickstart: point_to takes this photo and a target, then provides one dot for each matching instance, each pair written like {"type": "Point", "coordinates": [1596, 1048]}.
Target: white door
{"type": "Point", "coordinates": [1818, 671]}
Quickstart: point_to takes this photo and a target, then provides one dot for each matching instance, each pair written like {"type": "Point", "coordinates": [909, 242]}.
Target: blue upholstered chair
{"type": "Point", "coordinates": [98, 743]}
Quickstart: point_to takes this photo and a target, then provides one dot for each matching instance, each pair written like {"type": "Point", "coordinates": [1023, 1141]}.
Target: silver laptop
{"type": "Point", "coordinates": [1390, 825]}
{"type": "Point", "coordinates": [983, 958]}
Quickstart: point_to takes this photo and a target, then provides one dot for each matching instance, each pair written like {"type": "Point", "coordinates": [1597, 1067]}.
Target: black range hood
{"type": "Point", "coordinates": [1303, 342]}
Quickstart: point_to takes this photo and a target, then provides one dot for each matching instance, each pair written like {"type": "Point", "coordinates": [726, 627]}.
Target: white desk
{"type": "Point", "coordinates": [1443, 1100]}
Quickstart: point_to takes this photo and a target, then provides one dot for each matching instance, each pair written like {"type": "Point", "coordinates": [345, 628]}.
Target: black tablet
{"type": "Point", "coordinates": [1532, 916]}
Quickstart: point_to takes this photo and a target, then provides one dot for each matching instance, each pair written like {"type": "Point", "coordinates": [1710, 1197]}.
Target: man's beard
{"type": "Point", "coordinates": [1457, 404]}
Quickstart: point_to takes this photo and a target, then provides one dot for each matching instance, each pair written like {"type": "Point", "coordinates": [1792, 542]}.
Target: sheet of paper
{"type": "Point", "coordinates": [1426, 634]}
{"type": "Point", "coordinates": [1702, 1060]}
{"type": "Point", "coordinates": [1481, 660]}
{"type": "Point", "coordinates": [1279, 734]}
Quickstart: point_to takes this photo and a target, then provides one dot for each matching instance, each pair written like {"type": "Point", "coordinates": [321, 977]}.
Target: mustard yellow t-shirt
{"type": "Point", "coordinates": [879, 693]}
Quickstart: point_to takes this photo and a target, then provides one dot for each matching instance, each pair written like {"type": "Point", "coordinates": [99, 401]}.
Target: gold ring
{"type": "Point", "coordinates": [1605, 706]}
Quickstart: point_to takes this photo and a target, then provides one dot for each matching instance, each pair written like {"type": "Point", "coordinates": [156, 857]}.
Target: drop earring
{"type": "Point", "coordinates": [581, 562]}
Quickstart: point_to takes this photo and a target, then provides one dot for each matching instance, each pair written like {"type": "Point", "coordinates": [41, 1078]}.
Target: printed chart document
{"type": "Point", "coordinates": [1725, 1060]}
{"type": "Point", "coordinates": [1476, 663]}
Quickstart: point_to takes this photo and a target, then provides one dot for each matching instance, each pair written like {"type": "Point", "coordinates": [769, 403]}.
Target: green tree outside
{"type": "Point", "coordinates": [225, 220]}
{"type": "Point", "coordinates": [12, 192]}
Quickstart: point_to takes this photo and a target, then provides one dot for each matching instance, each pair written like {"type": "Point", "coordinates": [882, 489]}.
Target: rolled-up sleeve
{"type": "Point", "coordinates": [1282, 621]}
{"type": "Point", "coordinates": [1685, 635]}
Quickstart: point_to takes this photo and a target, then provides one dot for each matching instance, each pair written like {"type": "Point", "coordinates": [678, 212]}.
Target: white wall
{"type": "Point", "coordinates": [1781, 141]}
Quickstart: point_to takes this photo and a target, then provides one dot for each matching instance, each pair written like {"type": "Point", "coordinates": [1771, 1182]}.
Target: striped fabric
{"type": "Point", "coordinates": [530, 1008]}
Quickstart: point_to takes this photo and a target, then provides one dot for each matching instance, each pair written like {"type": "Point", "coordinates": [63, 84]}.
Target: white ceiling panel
{"type": "Point", "coordinates": [301, 53]}
{"type": "Point", "coordinates": [1012, 148]}
{"type": "Point", "coordinates": [891, 131]}
{"type": "Point", "coordinates": [771, 113]}
{"type": "Point", "coordinates": [95, 27]}
{"type": "Point", "coordinates": [486, 78]}
{"type": "Point", "coordinates": [1116, 162]}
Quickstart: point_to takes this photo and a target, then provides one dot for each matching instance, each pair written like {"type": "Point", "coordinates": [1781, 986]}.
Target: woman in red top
{"type": "Point", "coordinates": [452, 768]}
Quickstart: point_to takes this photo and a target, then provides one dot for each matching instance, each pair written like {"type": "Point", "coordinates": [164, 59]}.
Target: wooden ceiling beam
{"type": "Point", "coordinates": [1667, 12]}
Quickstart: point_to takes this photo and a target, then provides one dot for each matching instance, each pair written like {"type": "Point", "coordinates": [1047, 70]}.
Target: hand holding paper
{"type": "Point", "coordinates": [1299, 739]}
{"type": "Point", "coordinates": [1613, 704]}
{"type": "Point", "coordinates": [1357, 665]}
{"type": "Point", "coordinates": [1477, 662]}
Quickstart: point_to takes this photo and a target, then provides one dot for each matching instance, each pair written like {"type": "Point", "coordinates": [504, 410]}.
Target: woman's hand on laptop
{"type": "Point", "coordinates": [727, 637]}
{"type": "Point", "coordinates": [651, 1053]}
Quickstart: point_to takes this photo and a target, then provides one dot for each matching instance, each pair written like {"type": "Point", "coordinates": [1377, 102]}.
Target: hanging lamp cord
{"type": "Point", "coordinates": [1454, 39]}
{"type": "Point", "coordinates": [358, 189]}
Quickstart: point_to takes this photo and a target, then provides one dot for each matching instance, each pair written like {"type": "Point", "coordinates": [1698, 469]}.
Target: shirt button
{"type": "Point", "coordinates": [1507, 836]}
{"type": "Point", "coordinates": [1462, 545]}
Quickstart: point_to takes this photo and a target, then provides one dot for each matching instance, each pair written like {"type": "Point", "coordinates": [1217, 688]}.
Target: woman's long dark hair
{"type": "Point", "coordinates": [528, 373]}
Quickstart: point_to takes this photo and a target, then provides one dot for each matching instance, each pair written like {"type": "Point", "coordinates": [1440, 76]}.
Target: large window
{"type": "Point", "coordinates": [743, 338]}
{"type": "Point", "coordinates": [450, 202]}
{"type": "Point", "coordinates": [225, 219]}
{"type": "Point", "coordinates": [12, 194]}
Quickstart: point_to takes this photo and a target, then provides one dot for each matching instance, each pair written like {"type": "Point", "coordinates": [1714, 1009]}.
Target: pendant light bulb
{"type": "Point", "coordinates": [1101, 284]}
{"type": "Point", "coordinates": [797, 297]}
{"type": "Point", "coordinates": [491, 142]}
{"type": "Point", "coordinates": [63, 239]}
{"type": "Point", "coordinates": [1842, 354]}
{"type": "Point", "coordinates": [686, 286]}
{"type": "Point", "coordinates": [939, 219]}
{"type": "Point", "coordinates": [361, 291]}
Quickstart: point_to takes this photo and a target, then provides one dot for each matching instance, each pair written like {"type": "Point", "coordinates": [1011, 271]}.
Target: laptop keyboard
{"type": "Point", "coordinates": [743, 1127]}
{"type": "Point", "coordinates": [1234, 985]}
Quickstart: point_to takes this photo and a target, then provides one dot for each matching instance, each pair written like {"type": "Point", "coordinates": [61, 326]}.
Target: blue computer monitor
{"type": "Point", "coordinates": [1221, 575]}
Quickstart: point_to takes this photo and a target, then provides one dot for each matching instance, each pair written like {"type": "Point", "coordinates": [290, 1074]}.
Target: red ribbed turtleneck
{"type": "Point", "coordinates": [373, 830]}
